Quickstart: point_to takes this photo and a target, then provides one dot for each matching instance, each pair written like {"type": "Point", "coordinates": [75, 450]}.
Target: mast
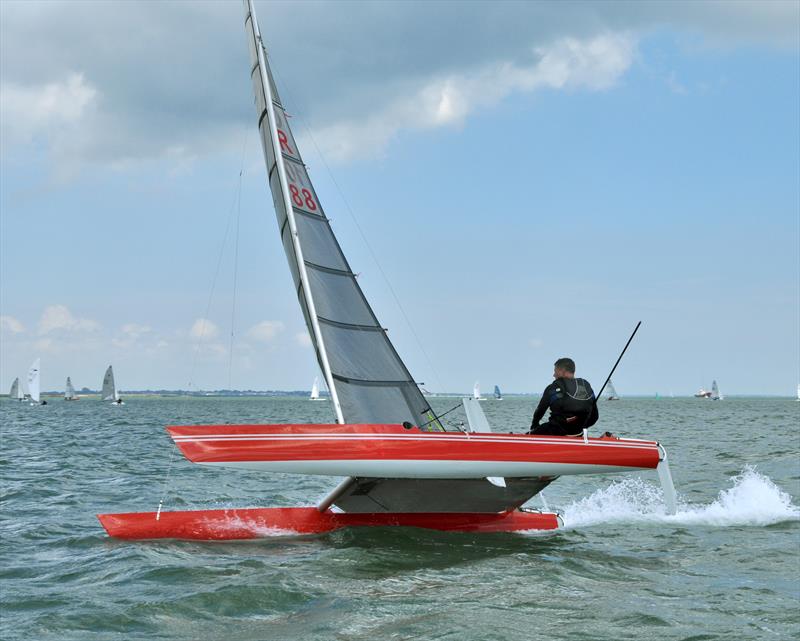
{"type": "Point", "coordinates": [312, 319]}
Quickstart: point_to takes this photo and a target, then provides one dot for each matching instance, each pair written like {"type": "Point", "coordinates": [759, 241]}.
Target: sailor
{"type": "Point", "coordinates": [570, 400]}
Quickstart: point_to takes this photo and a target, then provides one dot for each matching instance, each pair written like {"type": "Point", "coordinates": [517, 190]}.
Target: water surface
{"type": "Point", "coordinates": [725, 567]}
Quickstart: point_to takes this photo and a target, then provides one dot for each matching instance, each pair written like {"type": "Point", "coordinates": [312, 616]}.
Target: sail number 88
{"type": "Point", "coordinates": [302, 197]}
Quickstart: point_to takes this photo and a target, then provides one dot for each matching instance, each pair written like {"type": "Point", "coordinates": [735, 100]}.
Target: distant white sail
{"type": "Point", "coordinates": [611, 392]}
{"type": "Point", "coordinates": [715, 395]}
{"type": "Point", "coordinates": [498, 395]}
{"type": "Point", "coordinates": [315, 390]}
{"type": "Point", "coordinates": [109, 392]}
{"type": "Point", "coordinates": [33, 381]}
{"type": "Point", "coordinates": [16, 392]}
{"type": "Point", "coordinates": [69, 393]}
{"type": "Point", "coordinates": [798, 391]}
{"type": "Point", "coordinates": [476, 391]}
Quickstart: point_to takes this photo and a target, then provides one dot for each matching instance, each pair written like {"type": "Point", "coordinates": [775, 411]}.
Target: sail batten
{"type": "Point", "coordinates": [367, 380]}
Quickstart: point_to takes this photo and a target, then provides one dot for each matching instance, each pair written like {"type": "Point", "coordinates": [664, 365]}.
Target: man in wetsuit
{"type": "Point", "coordinates": [570, 400]}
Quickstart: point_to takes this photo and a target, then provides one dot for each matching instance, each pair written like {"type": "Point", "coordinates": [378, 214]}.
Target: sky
{"type": "Point", "coordinates": [514, 182]}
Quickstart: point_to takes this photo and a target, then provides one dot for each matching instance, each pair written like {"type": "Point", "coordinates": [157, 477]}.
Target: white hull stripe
{"type": "Point", "coordinates": [426, 469]}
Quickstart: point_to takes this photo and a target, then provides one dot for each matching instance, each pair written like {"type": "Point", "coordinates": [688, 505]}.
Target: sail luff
{"type": "Point", "coordinates": [281, 168]}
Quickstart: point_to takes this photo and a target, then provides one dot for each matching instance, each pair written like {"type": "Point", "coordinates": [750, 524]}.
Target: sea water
{"type": "Point", "coordinates": [726, 566]}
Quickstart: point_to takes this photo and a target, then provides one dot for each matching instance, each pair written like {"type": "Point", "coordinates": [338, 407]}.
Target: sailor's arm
{"type": "Point", "coordinates": [544, 403]}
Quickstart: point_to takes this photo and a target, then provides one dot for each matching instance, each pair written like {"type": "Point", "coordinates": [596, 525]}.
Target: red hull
{"type": "Point", "coordinates": [256, 523]}
{"type": "Point", "coordinates": [354, 443]}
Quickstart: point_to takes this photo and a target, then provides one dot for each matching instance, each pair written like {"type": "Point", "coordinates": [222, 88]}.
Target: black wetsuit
{"type": "Point", "coordinates": [570, 401]}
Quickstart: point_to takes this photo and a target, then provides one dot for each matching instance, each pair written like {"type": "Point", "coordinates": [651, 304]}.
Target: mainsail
{"type": "Point", "coordinates": [315, 390]}
{"type": "Point", "coordinates": [611, 392]}
{"type": "Point", "coordinates": [109, 392]}
{"type": "Point", "coordinates": [476, 391]}
{"type": "Point", "coordinates": [715, 395]}
{"type": "Point", "coordinates": [69, 393]}
{"type": "Point", "coordinates": [497, 393]}
{"type": "Point", "coordinates": [368, 381]}
{"type": "Point", "coordinates": [15, 393]}
{"type": "Point", "coordinates": [33, 381]}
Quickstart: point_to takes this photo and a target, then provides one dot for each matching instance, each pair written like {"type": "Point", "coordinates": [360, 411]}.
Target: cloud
{"type": "Point", "coordinates": [350, 68]}
{"type": "Point", "coordinates": [303, 339]}
{"type": "Point", "coordinates": [131, 333]}
{"type": "Point", "coordinates": [47, 108]}
{"type": "Point", "coordinates": [11, 324]}
{"type": "Point", "coordinates": [59, 318]}
{"type": "Point", "coordinates": [594, 64]}
{"type": "Point", "coordinates": [265, 331]}
{"type": "Point", "coordinates": [203, 329]}
{"type": "Point", "coordinates": [44, 344]}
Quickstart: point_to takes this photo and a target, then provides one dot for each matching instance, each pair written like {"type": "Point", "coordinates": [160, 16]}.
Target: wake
{"type": "Point", "coordinates": [752, 500]}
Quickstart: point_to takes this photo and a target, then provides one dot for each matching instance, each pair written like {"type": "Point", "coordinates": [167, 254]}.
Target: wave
{"type": "Point", "coordinates": [753, 500]}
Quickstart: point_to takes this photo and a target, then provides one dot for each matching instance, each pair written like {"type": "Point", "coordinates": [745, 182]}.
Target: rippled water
{"type": "Point", "coordinates": [725, 567]}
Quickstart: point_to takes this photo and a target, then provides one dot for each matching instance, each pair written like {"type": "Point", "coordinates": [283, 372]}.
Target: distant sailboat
{"type": "Point", "coordinates": [17, 395]}
{"type": "Point", "coordinates": [611, 392]}
{"type": "Point", "coordinates": [34, 389]}
{"type": "Point", "coordinates": [715, 395]}
{"type": "Point", "coordinates": [69, 392]}
{"type": "Point", "coordinates": [798, 391]}
{"type": "Point", "coordinates": [315, 391]}
{"type": "Point", "coordinates": [476, 392]}
{"type": "Point", "coordinates": [498, 395]}
{"type": "Point", "coordinates": [110, 392]}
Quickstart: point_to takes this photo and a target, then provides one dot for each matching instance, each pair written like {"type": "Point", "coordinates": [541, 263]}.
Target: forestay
{"type": "Point", "coordinates": [367, 379]}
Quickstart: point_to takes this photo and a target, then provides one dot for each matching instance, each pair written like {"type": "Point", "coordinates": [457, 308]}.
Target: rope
{"type": "Point", "coordinates": [235, 207]}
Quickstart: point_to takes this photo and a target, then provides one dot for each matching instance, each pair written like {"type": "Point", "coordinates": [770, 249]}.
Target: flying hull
{"type": "Point", "coordinates": [396, 452]}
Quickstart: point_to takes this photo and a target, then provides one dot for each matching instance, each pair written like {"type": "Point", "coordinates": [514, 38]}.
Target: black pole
{"type": "Point", "coordinates": [613, 369]}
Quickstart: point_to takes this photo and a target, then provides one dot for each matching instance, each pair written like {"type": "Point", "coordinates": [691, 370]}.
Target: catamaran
{"type": "Point", "coordinates": [16, 392]}
{"type": "Point", "coordinates": [402, 466]}
{"type": "Point", "coordinates": [69, 392]}
{"type": "Point", "coordinates": [110, 392]}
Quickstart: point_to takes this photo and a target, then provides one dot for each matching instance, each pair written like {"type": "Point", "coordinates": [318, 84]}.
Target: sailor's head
{"type": "Point", "coordinates": [564, 368]}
